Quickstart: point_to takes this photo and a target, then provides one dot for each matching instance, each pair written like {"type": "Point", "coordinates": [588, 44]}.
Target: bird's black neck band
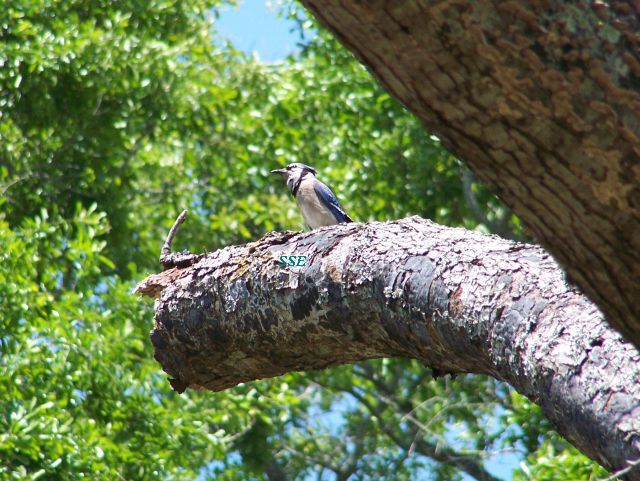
{"type": "Point", "coordinates": [296, 186]}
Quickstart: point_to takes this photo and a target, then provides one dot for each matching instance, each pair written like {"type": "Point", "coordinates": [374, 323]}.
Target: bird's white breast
{"type": "Point", "coordinates": [313, 210]}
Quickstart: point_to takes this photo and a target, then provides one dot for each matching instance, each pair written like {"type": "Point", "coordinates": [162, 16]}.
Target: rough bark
{"type": "Point", "coordinates": [457, 300]}
{"type": "Point", "coordinates": [541, 99]}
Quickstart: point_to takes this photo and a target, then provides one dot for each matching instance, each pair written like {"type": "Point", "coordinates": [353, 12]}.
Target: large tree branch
{"type": "Point", "coordinates": [457, 300]}
{"type": "Point", "coordinates": [541, 99]}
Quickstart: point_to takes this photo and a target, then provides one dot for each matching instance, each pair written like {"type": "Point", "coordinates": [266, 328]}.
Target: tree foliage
{"type": "Point", "coordinates": [116, 116]}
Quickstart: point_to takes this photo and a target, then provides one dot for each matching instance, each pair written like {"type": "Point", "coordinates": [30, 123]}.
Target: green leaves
{"type": "Point", "coordinates": [555, 460]}
{"type": "Point", "coordinates": [80, 394]}
{"type": "Point", "coordinates": [85, 87]}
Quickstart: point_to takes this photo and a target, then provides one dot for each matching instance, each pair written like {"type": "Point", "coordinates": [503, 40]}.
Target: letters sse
{"type": "Point", "coordinates": [297, 261]}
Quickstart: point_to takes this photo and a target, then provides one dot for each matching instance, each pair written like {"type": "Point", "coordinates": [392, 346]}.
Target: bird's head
{"type": "Point", "coordinates": [294, 173]}
{"type": "Point", "coordinates": [294, 170]}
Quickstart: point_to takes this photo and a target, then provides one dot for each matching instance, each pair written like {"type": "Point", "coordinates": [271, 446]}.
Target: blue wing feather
{"type": "Point", "coordinates": [329, 200]}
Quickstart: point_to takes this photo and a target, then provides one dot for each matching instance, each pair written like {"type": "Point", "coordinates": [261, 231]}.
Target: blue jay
{"type": "Point", "coordinates": [318, 205]}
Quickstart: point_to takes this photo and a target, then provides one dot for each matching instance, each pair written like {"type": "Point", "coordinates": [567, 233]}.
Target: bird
{"type": "Point", "coordinates": [318, 205]}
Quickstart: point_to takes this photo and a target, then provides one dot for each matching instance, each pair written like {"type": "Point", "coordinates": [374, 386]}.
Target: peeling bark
{"type": "Point", "coordinates": [541, 99]}
{"type": "Point", "coordinates": [457, 300]}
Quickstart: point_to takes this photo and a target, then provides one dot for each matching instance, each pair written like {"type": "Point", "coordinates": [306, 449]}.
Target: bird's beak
{"type": "Point", "coordinates": [278, 171]}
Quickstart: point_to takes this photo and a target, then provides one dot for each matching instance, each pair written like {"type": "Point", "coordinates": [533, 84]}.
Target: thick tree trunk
{"type": "Point", "coordinates": [542, 100]}
{"type": "Point", "coordinates": [457, 300]}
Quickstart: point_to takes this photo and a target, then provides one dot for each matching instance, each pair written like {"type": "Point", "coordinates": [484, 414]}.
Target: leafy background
{"type": "Point", "coordinates": [115, 116]}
